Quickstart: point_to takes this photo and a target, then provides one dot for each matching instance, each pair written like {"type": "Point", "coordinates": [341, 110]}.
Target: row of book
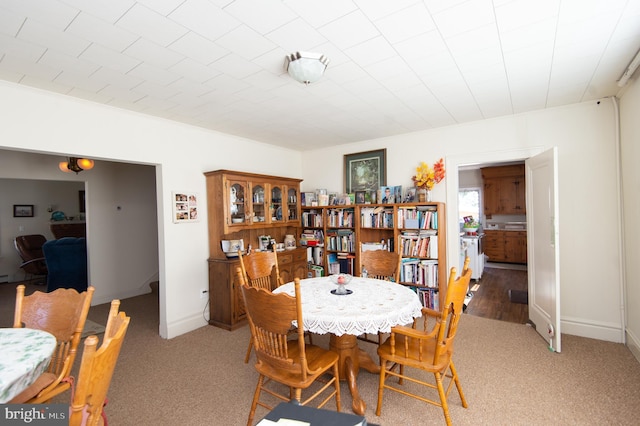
{"type": "Point", "coordinates": [378, 217]}
{"type": "Point", "coordinates": [423, 272]}
{"type": "Point", "coordinates": [340, 218]}
{"type": "Point", "coordinates": [419, 244]}
{"type": "Point", "coordinates": [341, 263]}
{"type": "Point", "coordinates": [417, 218]}
{"type": "Point", "coordinates": [312, 219]}
{"type": "Point", "coordinates": [341, 240]}
{"type": "Point", "coordinates": [312, 237]}
{"type": "Point", "coordinates": [428, 297]}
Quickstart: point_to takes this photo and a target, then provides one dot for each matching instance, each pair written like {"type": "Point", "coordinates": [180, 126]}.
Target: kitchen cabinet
{"type": "Point", "coordinates": [247, 206]}
{"type": "Point", "coordinates": [504, 190]}
{"type": "Point", "coordinates": [505, 246]}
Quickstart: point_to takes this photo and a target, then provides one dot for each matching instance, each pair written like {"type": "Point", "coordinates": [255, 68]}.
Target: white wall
{"type": "Point", "coordinates": [630, 155]}
{"type": "Point", "coordinates": [61, 195]}
{"type": "Point", "coordinates": [591, 293]}
{"type": "Point", "coordinates": [49, 123]}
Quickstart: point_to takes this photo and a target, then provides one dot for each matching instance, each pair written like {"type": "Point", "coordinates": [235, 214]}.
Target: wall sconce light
{"type": "Point", "coordinates": [75, 164]}
{"type": "Point", "coordinates": [306, 67]}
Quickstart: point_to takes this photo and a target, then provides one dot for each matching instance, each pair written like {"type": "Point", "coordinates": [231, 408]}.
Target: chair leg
{"type": "Point", "coordinates": [248, 355]}
{"type": "Point", "coordinates": [383, 370]}
{"type": "Point", "coordinates": [336, 377]}
{"type": "Point", "coordinates": [256, 398]}
{"type": "Point", "coordinates": [454, 373]}
{"type": "Point", "coordinates": [443, 398]}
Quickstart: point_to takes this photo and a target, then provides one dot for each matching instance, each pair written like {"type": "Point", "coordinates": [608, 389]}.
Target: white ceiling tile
{"type": "Point", "coordinates": [55, 13]}
{"type": "Point", "coordinates": [320, 13]}
{"type": "Point", "coordinates": [107, 76]}
{"type": "Point", "coordinates": [538, 33]}
{"type": "Point", "coordinates": [11, 46]}
{"type": "Point", "coordinates": [153, 74]}
{"type": "Point", "coordinates": [246, 42]}
{"type": "Point", "coordinates": [514, 15]}
{"type": "Point", "coordinates": [204, 18]}
{"type": "Point", "coordinates": [151, 25]}
{"type": "Point", "coordinates": [109, 58]}
{"type": "Point", "coordinates": [120, 96]}
{"type": "Point", "coordinates": [195, 71]}
{"type": "Point", "coordinates": [109, 11]}
{"type": "Point", "coordinates": [83, 83]}
{"type": "Point", "coordinates": [19, 65]}
{"type": "Point", "coordinates": [464, 17]}
{"type": "Point", "coordinates": [102, 32]}
{"type": "Point", "coordinates": [198, 48]}
{"type": "Point", "coordinates": [263, 16]}
{"type": "Point", "coordinates": [297, 35]}
{"type": "Point", "coordinates": [44, 35]}
{"type": "Point", "coordinates": [10, 22]}
{"type": "Point", "coordinates": [236, 66]}
{"type": "Point", "coordinates": [377, 9]}
{"type": "Point", "coordinates": [406, 23]}
{"type": "Point", "coordinates": [342, 33]}
{"type": "Point", "coordinates": [65, 62]}
{"type": "Point", "coordinates": [146, 51]}
{"type": "Point", "coordinates": [371, 51]}
{"type": "Point", "coordinates": [163, 7]}
{"type": "Point", "coordinates": [49, 86]}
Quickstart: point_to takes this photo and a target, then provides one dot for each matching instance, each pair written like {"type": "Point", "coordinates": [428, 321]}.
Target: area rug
{"type": "Point", "coordinates": [518, 296]}
{"type": "Point", "coordinates": [91, 327]}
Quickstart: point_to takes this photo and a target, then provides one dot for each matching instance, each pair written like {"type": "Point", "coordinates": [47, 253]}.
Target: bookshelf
{"type": "Point", "coordinates": [417, 231]}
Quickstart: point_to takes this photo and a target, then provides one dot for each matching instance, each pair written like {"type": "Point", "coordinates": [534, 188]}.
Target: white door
{"type": "Point", "coordinates": [543, 250]}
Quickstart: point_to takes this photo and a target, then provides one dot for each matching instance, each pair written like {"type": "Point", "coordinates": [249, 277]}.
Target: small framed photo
{"type": "Point", "coordinates": [309, 198]}
{"type": "Point", "coordinates": [410, 195]}
{"type": "Point", "coordinates": [360, 197]}
{"type": "Point", "coordinates": [23, 210]}
{"type": "Point", "coordinates": [333, 198]}
{"type": "Point", "coordinates": [185, 207]}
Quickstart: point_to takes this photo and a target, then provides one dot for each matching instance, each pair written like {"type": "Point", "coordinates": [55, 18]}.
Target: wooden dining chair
{"type": "Point", "coordinates": [260, 269]}
{"type": "Point", "coordinates": [62, 313]}
{"type": "Point", "coordinates": [382, 265]}
{"type": "Point", "coordinates": [96, 370]}
{"type": "Point", "coordinates": [292, 363]}
{"type": "Point", "coordinates": [428, 348]}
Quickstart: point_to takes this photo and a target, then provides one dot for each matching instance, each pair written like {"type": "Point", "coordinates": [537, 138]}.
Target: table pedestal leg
{"type": "Point", "coordinates": [351, 358]}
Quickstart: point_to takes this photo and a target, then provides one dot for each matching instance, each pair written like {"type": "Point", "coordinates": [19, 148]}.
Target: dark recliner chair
{"type": "Point", "coordinates": [67, 263]}
{"type": "Point", "coordinates": [30, 249]}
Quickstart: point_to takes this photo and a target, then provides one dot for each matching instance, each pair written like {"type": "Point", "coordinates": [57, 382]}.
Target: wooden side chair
{"type": "Point", "coordinates": [382, 265]}
{"type": "Point", "coordinates": [96, 370]}
{"type": "Point", "coordinates": [289, 362]}
{"type": "Point", "coordinates": [429, 349]}
{"type": "Point", "coordinates": [260, 269]}
{"type": "Point", "coordinates": [62, 313]}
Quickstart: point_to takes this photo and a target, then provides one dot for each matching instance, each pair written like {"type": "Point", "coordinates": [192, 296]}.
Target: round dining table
{"type": "Point", "coordinates": [24, 355]}
{"type": "Point", "coordinates": [371, 306]}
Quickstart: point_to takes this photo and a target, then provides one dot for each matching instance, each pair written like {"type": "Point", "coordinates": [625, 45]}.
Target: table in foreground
{"type": "Point", "coordinates": [312, 416]}
{"type": "Point", "coordinates": [26, 354]}
{"type": "Point", "coordinates": [373, 306]}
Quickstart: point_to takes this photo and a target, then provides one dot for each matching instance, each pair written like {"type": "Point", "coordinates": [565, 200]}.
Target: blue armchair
{"type": "Point", "coordinates": [67, 263]}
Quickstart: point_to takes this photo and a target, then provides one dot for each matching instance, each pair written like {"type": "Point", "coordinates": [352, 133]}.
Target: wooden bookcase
{"type": "Point", "coordinates": [396, 225]}
{"type": "Point", "coordinates": [245, 206]}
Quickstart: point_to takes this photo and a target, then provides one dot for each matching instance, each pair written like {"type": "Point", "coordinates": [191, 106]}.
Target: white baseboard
{"type": "Point", "coordinates": [185, 325]}
{"type": "Point", "coordinates": [633, 343]}
{"type": "Point", "coordinates": [601, 331]}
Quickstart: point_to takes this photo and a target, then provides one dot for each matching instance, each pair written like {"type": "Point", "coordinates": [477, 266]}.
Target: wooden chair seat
{"type": "Point", "coordinates": [291, 363]}
{"type": "Point", "coordinates": [429, 349]}
{"type": "Point", "coordinates": [63, 313]}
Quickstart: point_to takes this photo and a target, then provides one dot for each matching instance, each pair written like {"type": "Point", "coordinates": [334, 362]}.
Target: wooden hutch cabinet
{"type": "Point", "coordinates": [246, 206]}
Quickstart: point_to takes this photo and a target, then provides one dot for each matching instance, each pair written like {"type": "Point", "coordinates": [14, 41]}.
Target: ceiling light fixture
{"type": "Point", "coordinates": [75, 164]}
{"type": "Point", "coordinates": [633, 66]}
{"type": "Point", "coordinates": [306, 67]}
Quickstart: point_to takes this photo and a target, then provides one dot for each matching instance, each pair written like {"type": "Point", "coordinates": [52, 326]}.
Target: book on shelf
{"type": "Point", "coordinates": [369, 246]}
{"type": "Point", "coordinates": [315, 271]}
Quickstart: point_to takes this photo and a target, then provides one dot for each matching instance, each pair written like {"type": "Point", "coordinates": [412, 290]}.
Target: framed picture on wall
{"type": "Point", "coordinates": [23, 210]}
{"type": "Point", "coordinates": [365, 171]}
{"type": "Point", "coordinates": [185, 207]}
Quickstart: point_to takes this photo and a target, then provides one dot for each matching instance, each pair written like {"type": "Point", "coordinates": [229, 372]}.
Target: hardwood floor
{"type": "Point", "coordinates": [491, 298]}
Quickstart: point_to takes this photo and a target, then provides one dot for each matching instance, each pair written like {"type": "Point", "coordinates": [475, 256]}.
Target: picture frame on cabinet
{"type": "Point", "coordinates": [365, 171]}
{"type": "Point", "coordinates": [360, 197]}
{"type": "Point", "coordinates": [309, 198]}
{"type": "Point", "coordinates": [333, 198]}
{"type": "Point", "coordinates": [185, 206]}
{"type": "Point", "coordinates": [387, 195]}
{"type": "Point", "coordinates": [410, 195]}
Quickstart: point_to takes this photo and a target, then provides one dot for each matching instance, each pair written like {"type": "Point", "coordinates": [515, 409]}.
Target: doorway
{"type": "Point", "coordinates": [491, 292]}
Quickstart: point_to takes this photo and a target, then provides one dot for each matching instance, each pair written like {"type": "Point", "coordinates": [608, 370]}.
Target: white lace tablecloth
{"type": "Point", "coordinates": [24, 355]}
{"type": "Point", "coordinates": [374, 306]}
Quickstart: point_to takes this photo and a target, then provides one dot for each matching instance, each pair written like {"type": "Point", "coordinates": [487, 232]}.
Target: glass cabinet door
{"type": "Point", "coordinates": [292, 204]}
{"type": "Point", "coordinates": [276, 204]}
{"type": "Point", "coordinates": [258, 203]}
{"type": "Point", "coordinates": [237, 212]}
